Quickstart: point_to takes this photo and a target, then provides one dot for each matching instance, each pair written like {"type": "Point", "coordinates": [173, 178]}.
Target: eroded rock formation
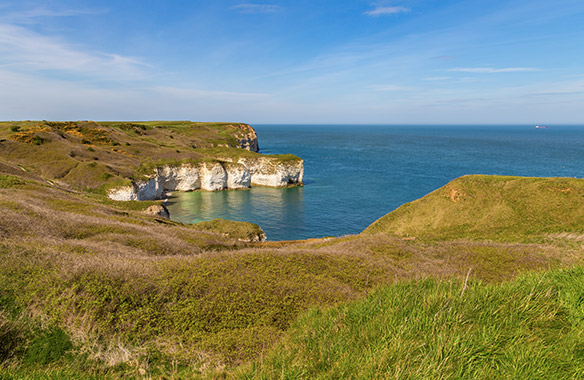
{"type": "Point", "coordinates": [248, 138]}
{"type": "Point", "coordinates": [213, 176]}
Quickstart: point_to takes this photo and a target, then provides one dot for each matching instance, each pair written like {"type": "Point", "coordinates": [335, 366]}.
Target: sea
{"type": "Point", "coordinates": [355, 174]}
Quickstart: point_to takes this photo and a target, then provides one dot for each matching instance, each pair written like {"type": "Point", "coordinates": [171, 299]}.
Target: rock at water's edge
{"type": "Point", "coordinates": [159, 210]}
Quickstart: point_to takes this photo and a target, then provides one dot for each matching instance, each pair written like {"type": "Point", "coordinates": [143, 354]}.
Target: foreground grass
{"type": "Point", "coordinates": [529, 328]}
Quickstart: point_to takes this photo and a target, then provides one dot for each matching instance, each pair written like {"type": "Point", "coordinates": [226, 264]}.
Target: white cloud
{"type": "Point", "coordinates": [491, 70]}
{"type": "Point", "coordinates": [24, 50]}
{"type": "Point", "coordinates": [256, 8]}
{"type": "Point", "coordinates": [380, 10]}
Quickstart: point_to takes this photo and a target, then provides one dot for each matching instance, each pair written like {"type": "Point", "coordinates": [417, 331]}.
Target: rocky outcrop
{"type": "Point", "coordinates": [247, 137]}
{"type": "Point", "coordinates": [274, 173]}
{"type": "Point", "coordinates": [158, 210]}
{"type": "Point", "coordinates": [214, 176]}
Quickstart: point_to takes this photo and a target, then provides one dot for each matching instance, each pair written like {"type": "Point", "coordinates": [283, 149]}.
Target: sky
{"type": "Point", "coordinates": [294, 61]}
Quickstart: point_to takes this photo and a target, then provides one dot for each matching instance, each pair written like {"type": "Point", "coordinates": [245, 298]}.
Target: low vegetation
{"type": "Point", "coordinates": [243, 231]}
{"type": "Point", "coordinates": [480, 279]}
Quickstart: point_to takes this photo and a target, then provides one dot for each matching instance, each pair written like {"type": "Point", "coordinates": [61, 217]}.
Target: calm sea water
{"type": "Point", "coordinates": [356, 174]}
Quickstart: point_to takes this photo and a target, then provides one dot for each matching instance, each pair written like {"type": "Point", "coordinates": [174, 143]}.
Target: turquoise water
{"type": "Point", "coordinates": [356, 174]}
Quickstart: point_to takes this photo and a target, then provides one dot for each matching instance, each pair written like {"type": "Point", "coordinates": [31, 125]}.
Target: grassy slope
{"type": "Point", "coordinates": [529, 328]}
{"type": "Point", "coordinates": [90, 155]}
{"type": "Point", "coordinates": [491, 207]}
{"type": "Point", "coordinates": [123, 293]}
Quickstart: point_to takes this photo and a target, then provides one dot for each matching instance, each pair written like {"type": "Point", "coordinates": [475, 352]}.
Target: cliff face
{"type": "Point", "coordinates": [213, 176]}
{"type": "Point", "coordinates": [247, 138]}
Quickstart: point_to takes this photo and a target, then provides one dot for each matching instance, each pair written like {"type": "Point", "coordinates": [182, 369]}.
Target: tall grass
{"type": "Point", "coordinates": [529, 328]}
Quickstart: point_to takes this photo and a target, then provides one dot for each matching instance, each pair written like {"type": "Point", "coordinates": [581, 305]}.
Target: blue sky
{"type": "Point", "coordinates": [298, 61]}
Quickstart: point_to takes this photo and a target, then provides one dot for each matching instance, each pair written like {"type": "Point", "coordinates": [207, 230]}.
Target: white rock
{"type": "Point", "coordinates": [124, 193]}
{"type": "Point", "coordinates": [183, 178]}
{"type": "Point", "coordinates": [238, 176]}
{"type": "Point", "coordinates": [213, 176]}
{"type": "Point", "coordinates": [269, 171]}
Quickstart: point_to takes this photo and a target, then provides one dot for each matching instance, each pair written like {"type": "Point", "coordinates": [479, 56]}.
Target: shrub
{"type": "Point", "coordinates": [37, 140]}
{"type": "Point", "coordinates": [15, 128]}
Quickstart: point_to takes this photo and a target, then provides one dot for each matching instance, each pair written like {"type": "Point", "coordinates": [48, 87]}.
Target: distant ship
{"type": "Point", "coordinates": [540, 127]}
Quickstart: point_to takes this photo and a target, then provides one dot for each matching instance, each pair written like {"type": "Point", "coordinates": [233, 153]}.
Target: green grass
{"type": "Point", "coordinates": [10, 181]}
{"type": "Point", "coordinates": [491, 207]}
{"type": "Point", "coordinates": [237, 230]}
{"type": "Point", "coordinates": [529, 328]}
{"type": "Point", "coordinates": [235, 154]}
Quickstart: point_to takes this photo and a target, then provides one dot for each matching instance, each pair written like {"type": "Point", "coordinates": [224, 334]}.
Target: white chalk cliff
{"type": "Point", "coordinates": [213, 176]}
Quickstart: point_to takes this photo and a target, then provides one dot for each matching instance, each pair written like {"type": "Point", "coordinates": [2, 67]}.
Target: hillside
{"type": "Point", "coordinates": [499, 208]}
{"type": "Point", "coordinates": [95, 288]}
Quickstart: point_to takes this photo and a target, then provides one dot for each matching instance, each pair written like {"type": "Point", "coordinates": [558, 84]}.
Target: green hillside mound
{"type": "Point", "coordinates": [491, 207]}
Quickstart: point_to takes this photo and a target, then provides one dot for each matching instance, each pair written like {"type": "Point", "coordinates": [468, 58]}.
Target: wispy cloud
{"type": "Point", "coordinates": [256, 8]}
{"type": "Point", "coordinates": [27, 51]}
{"type": "Point", "coordinates": [436, 78]}
{"type": "Point", "coordinates": [381, 10]}
{"type": "Point", "coordinates": [191, 93]}
{"type": "Point", "coordinates": [390, 87]}
{"type": "Point", "coordinates": [492, 70]}
{"type": "Point", "coordinates": [33, 15]}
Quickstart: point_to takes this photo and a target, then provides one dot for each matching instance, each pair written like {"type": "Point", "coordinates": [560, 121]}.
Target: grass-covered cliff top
{"type": "Point", "coordinates": [88, 154]}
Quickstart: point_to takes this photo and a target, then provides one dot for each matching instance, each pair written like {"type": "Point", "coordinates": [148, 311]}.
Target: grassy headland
{"type": "Point", "coordinates": [93, 288]}
{"type": "Point", "coordinates": [89, 155]}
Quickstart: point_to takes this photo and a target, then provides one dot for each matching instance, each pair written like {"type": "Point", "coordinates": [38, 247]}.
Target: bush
{"type": "Point", "coordinates": [37, 140]}
{"type": "Point", "coordinates": [15, 128]}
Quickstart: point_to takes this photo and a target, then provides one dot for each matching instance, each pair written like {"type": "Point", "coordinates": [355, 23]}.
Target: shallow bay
{"type": "Point", "coordinates": [355, 174]}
